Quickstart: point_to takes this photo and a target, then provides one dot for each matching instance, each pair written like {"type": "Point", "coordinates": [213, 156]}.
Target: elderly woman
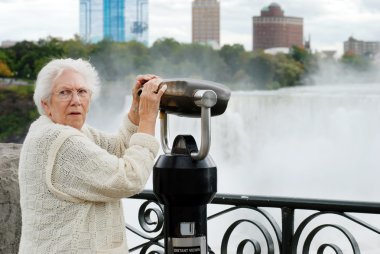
{"type": "Point", "coordinates": [73, 177]}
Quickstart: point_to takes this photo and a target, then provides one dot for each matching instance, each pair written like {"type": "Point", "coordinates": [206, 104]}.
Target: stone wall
{"type": "Point", "coordinates": [10, 212]}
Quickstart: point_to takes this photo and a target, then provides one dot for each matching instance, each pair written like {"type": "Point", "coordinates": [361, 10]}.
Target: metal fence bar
{"type": "Point", "coordinates": [287, 229]}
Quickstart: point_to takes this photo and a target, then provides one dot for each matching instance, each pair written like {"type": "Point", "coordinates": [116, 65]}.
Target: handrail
{"type": "Point", "coordinates": [279, 202]}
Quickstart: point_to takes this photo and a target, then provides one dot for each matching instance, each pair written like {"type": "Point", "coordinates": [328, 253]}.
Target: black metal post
{"type": "Point", "coordinates": [184, 178]}
{"type": "Point", "coordinates": [287, 230]}
{"type": "Point", "coordinates": [185, 187]}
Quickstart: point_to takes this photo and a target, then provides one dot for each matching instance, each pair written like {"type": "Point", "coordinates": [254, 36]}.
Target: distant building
{"type": "Point", "coordinates": [275, 51]}
{"type": "Point", "coordinates": [8, 44]}
{"type": "Point", "coordinates": [116, 20]}
{"type": "Point", "coordinates": [137, 20]}
{"type": "Point", "coordinates": [206, 22]}
{"type": "Point", "coordinates": [91, 20]}
{"type": "Point", "coordinates": [307, 44]}
{"type": "Point", "coordinates": [274, 30]}
{"type": "Point", "coordinates": [357, 47]}
{"type": "Point", "coordinates": [328, 54]}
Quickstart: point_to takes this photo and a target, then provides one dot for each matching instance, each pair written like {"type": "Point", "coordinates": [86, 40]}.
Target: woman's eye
{"type": "Point", "coordinates": [82, 92]}
{"type": "Point", "coordinates": [64, 92]}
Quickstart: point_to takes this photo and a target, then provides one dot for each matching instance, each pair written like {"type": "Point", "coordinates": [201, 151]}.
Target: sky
{"type": "Point", "coordinates": [327, 22]}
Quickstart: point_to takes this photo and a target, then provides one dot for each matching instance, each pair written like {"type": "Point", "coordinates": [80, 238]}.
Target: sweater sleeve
{"type": "Point", "coordinates": [113, 143]}
{"type": "Point", "coordinates": [83, 171]}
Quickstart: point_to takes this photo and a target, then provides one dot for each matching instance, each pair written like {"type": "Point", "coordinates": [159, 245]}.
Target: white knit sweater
{"type": "Point", "coordinates": [71, 183]}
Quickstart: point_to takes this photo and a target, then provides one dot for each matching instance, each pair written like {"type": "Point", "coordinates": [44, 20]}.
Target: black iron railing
{"type": "Point", "coordinates": [295, 235]}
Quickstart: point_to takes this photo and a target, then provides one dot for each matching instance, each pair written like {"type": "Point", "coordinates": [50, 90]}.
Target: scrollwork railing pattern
{"type": "Point", "coordinates": [268, 235]}
{"type": "Point", "coordinates": [149, 210]}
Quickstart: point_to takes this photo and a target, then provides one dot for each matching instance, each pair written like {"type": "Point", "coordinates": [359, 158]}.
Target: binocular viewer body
{"type": "Point", "coordinates": [192, 98]}
{"type": "Point", "coordinates": [185, 178]}
{"type": "Point", "coordinates": [181, 97]}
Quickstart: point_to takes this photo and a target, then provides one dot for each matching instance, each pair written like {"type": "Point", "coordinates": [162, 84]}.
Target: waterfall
{"type": "Point", "coordinates": [315, 142]}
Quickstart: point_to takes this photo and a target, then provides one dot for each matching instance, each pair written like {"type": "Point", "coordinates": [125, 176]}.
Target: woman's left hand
{"type": "Point", "coordinates": [149, 105]}
{"type": "Point", "coordinates": [133, 114]}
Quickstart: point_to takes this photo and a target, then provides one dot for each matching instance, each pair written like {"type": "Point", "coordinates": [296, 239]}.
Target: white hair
{"type": "Point", "coordinates": [53, 69]}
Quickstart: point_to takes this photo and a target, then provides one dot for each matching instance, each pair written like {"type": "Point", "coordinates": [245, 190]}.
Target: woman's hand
{"type": "Point", "coordinates": [133, 114]}
{"type": "Point", "coordinates": [149, 105]}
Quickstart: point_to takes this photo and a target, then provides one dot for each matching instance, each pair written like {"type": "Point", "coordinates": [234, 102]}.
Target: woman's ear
{"type": "Point", "coordinates": [46, 107]}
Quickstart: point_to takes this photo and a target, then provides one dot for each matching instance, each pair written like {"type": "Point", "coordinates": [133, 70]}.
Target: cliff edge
{"type": "Point", "coordinates": [10, 212]}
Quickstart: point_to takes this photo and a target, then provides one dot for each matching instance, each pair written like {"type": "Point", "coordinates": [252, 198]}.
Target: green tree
{"type": "Point", "coordinates": [300, 54]}
{"type": "Point", "coordinates": [232, 55]}
{"type": "Point", "coordinates": [261, 69]}
{"type": "Point", "coordinates": [139, 54]}
{"type": "Point", "coordinates": [76, 48]}
{"type": "Point", "coordinates": [5, 71]}
{"type": "Point", "coordinates": [164, 48]}
{"type": "Point", "coordinates": [308, 61]}
{"type": "Point", "coordinates": [198, 61]}
{"type": "Point", "coordinates": [287, 72]}
{"type": "Point", "coordinates": [17, 111]}
{"type": "Point", "coordinates": [118, 60]}
{"type": "Point", "coordinates": [26, 56]}
{"type": "Point", "coordinates": [162, 55]}
{"type": "Point", "coordinates": [356, 62]}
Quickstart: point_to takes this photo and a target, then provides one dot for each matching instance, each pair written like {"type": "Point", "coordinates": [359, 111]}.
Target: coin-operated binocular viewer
{"type": "Point", "coordinates": [185, 177]}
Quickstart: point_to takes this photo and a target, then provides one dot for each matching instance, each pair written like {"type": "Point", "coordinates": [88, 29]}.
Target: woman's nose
{"type": "Point", "coordinates": [75, 98]}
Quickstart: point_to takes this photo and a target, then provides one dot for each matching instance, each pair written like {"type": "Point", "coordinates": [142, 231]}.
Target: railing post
{"type": "Point", "coordinates": [185, 187]}
{"type": "Point", "coordinates": [287, 230]}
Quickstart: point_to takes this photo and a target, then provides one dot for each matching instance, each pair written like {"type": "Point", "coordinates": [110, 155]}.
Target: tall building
{"type": "Point", "coordinates": [91, 20]}
{"type": "Point", "coordinates": [117, 20]}
{"type": "Point", "coordinates": [362, 48]}
{"type": "Point", "coordinates": [114, 20]}
{"type": "Point", "coordinates": [274, 30]}
{"type": "Point", "coordinates": [206, 22]}
{"type": "Point", "coordinates": [136, 20]}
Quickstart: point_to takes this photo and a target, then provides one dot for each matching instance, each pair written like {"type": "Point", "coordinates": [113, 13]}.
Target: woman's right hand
{"type": "Point", "coordinates": [149, 105]}
{"type": "Point", "coordinates": [133, 114]}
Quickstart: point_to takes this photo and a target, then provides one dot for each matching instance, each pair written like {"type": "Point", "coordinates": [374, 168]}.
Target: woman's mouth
{"type": "Point", "coordinates": [75, 113]}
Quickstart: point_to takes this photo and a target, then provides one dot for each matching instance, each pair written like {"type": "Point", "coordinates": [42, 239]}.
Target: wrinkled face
{"type": "Point", "coordinates": [69, 101]}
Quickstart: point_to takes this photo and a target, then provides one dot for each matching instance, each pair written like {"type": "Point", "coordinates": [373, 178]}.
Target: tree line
{"type": "Point", "coordinates": [231, 65]}
{"type": "Point", "coordinates": [119, 63]}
